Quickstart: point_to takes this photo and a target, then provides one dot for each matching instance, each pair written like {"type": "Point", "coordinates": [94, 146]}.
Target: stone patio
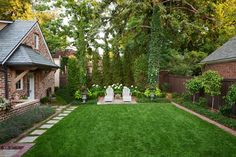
{"type": "Point", "coordinates": [116, 101]}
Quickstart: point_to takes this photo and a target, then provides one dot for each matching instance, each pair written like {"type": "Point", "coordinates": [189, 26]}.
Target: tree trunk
{"type": "Point", "coordinates": [194, 98]}
{"type": "Point", "coordinates": [212, 103]}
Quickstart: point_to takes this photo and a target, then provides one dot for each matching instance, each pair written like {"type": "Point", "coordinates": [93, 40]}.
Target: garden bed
{"type": "Point", "coordinates": [17, 124]}
{"type": "Point", "coordinates": [199, 108]}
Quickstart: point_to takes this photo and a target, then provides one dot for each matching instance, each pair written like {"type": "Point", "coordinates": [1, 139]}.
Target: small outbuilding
{"type": "Point", "coordinates": [223, 60]}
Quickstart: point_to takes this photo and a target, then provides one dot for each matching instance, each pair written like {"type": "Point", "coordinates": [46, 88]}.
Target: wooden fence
{"type": "Point", "coordinates": [177, 85]}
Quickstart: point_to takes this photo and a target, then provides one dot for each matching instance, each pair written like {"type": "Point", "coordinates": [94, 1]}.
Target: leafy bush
{"type": "Point", "coordinates": [78, 95]}
{"type": "Point", "coordinates": [14, 126]}
{"type": "Point", "coordinates": [193, 86]}
{"type": "Point", "coordinates": [226, 110]}
{"type": "Point", "coordinates": [231, 95]}
{"type": "Point", "coordinates": [63, 96]}
{"type": "Point", "coordinates": [211, 81]}
{"type": "Point", "coordinates": [44, 100]}
{"type": "Point", "coordinates": [165, 87]}
{"type": "Point", "coordinates": [4, 104]}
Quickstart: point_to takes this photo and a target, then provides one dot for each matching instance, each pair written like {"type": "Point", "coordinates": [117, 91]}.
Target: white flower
{"type": "Point", "coordinates": [96, 85]}
{"type": "Point", "coordinates": [132, 86]}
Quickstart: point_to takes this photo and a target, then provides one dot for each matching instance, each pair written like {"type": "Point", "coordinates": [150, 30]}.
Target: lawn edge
{"type": "Point", "coordinates": [221, 126]}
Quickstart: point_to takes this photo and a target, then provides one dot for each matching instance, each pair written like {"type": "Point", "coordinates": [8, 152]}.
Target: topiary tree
{"type": "Point", "coordinates": [211, 82]}
{"type": "Point", "coordinates": [193, 86]}
{"type": "Point", "coordinates": [230, 101]}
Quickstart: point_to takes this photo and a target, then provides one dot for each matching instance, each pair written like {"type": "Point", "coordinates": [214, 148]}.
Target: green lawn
{"type": "Point", "coordinates": [143, 130]}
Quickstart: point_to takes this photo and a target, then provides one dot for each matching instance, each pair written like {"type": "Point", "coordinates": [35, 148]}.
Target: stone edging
{"type": "Point", "coordinates": [227, 129]}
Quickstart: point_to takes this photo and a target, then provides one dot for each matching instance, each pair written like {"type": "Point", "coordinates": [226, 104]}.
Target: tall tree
{"type": "Point", "coordinates": [96, 73]}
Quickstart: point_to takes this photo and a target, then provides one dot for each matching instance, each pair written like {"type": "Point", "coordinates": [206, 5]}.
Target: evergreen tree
{"type": "Point", "coordinates": [128, 72]}
{"type": "Point", "coordinates": [117, 70]}
{"type": "Point", "coordinates": [107, 78]}
{"type": "Point", "coordinates": [96, 75]}
{"type": "Point", "coordinates": [73, 75]}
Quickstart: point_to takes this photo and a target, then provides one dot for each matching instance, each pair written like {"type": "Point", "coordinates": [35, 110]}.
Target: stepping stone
{"type": "Point", "coordinates": [67, 112]}
{"type": "Point", "coordinates": [8, 152]}
{"type": "Point", "coordinates": [38, 132]}
{"type": "Point", "coordinates": [53, 121]}
{"type": "Point", "coordinates": [28, 139]}
{"type": "Point", "coordinates": [57, 118]}
{"type": "Point", "coordinates": [63, 114]}
{"type": "Point", "coordinates": [46, 126]}
{"type": "Point", "coordinates": [70, 109]}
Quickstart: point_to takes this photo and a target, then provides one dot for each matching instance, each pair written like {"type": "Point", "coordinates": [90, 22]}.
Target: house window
{"type": "Point", "coordinates": [19, 84]}
{"type": "Point", "coordinates": [36, 41]}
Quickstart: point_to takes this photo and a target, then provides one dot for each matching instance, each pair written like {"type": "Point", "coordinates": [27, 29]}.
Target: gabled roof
{"type": "Point", "coordinates": [26, 56]}
{"type": "Point", "coordinates": [12, 35]}
{"type": "Point", "coordinates": [226, 52]}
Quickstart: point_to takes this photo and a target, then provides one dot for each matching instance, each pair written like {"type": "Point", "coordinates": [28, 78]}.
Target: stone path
{"type": "Point", "coordinates": [229, 130]}
{"type": "Point", "coordinates": [31, 137]}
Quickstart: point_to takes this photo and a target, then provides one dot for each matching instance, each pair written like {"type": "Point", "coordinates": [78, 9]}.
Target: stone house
{"type": "Point", "coordinates": [26, 65]}
{"type": "Point", "coordinates": [223, 60]}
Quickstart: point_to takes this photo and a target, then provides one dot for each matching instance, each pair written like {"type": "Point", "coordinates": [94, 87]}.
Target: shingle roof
{"type": "Point", "coordinates": [25, 55]}
{"type": "Point", "coordinates": [226, 52]}
{"type": "Point", "coordinates": [11, 35]}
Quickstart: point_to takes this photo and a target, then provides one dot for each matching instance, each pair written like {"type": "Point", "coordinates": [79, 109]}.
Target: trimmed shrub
{"type": "Point", "coordinates": [193, 86]}
{"type": "Point", "coordinates": [16, 125]}
{"type": "Point", "coordinates": [44, 100]}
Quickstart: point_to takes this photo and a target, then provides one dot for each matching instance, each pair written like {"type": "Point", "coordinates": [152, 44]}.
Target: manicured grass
{"type": "Point", "coordinates": [143, 130]}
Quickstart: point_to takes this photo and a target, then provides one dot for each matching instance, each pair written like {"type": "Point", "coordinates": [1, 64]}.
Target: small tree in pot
{"type": "Point", "coordinates": [193, 86]}
{"type": "Point", "coordinates": [211, 82]}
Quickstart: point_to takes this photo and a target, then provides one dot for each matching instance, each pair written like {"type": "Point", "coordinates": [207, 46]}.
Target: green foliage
{"type": "Point", "coordinates": [231, 95]}
{"type": "Point", "coordinates": [141, 71]}
{"type": "Point", "coordinates": [156, 92]}
{"type": "Point", "coordinates": [117, 69]}
{"type": "Point", "coordinates": [128, 71]}
{"type": "Point", "coordinates": [73, 75]}
{"type": "Point", "coordinates": [211, 82]}
{"type": "Point", "coordinates": [16, 125]}
{"type": "Point", "coordinates": [96, 74]}
{"type": "Point", "coordinates": [107, 77]}
{"type": "Point", "coordinates": [95, 91]}
{"type": "Point", "coordinates": [226, 110]}
{"type": "Point", "coordinates": [4, 104]}
{"type": "Point", "coordinates": [63, 96]}
{"type": "Point", "coordinates": [78, 95]}
{"type": "Point", "coordinates": [194, 85]}
{"type": "Point", "coordinates": [44, 100]}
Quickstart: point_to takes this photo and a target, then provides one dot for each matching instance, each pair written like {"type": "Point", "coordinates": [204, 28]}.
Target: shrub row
{"type": "Point", "coordinates": [16, 125]}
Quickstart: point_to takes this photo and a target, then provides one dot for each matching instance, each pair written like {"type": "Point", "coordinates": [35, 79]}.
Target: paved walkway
{"type": "Point", "coordinates": [229, 130]}
{"type": "Point", "coordinates": [22, 145]}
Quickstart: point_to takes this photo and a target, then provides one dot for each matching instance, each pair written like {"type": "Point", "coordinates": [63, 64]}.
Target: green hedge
{"type": "Point", "coordinates": [216, 116]}
{"type": "Point", "coordinates": [63, 96]}
{"type": "Point", "coordinates": [16, 125]}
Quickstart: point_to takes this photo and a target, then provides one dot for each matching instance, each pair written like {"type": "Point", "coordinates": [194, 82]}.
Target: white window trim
{"type": "Point", "coordinates": [21, 85]}
{"type": "Point", "coordinates": [36, 41]}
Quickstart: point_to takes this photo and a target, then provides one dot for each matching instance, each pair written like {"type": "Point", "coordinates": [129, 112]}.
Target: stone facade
{"type": "Point", "coordinates": [43, 78]}
{"type": "Point", "coordinates": [226, 69]}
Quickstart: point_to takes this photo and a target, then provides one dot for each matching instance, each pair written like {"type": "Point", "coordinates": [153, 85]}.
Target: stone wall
{"type": "Point", "coordinates": [226, 70]}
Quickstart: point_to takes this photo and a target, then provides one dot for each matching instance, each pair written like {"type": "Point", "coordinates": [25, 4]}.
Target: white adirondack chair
{"type": "Point", "coordinates": [126, 95]}
{"type": "Point", "coordinates": [109, 97]}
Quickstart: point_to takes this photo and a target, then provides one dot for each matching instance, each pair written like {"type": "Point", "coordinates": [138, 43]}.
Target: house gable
{"type": "Point", "coordinates": [42, 47]}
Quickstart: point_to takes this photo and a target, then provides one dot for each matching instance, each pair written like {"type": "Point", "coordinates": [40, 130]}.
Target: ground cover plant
{"type": "Point", "coordinates": [135, 131]}
{"type": "Point", "coordinates": [16, 125]}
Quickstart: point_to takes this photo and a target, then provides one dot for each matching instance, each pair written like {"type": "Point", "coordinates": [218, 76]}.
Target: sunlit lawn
{"type": "Point", "coordinates": [143, 130]}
